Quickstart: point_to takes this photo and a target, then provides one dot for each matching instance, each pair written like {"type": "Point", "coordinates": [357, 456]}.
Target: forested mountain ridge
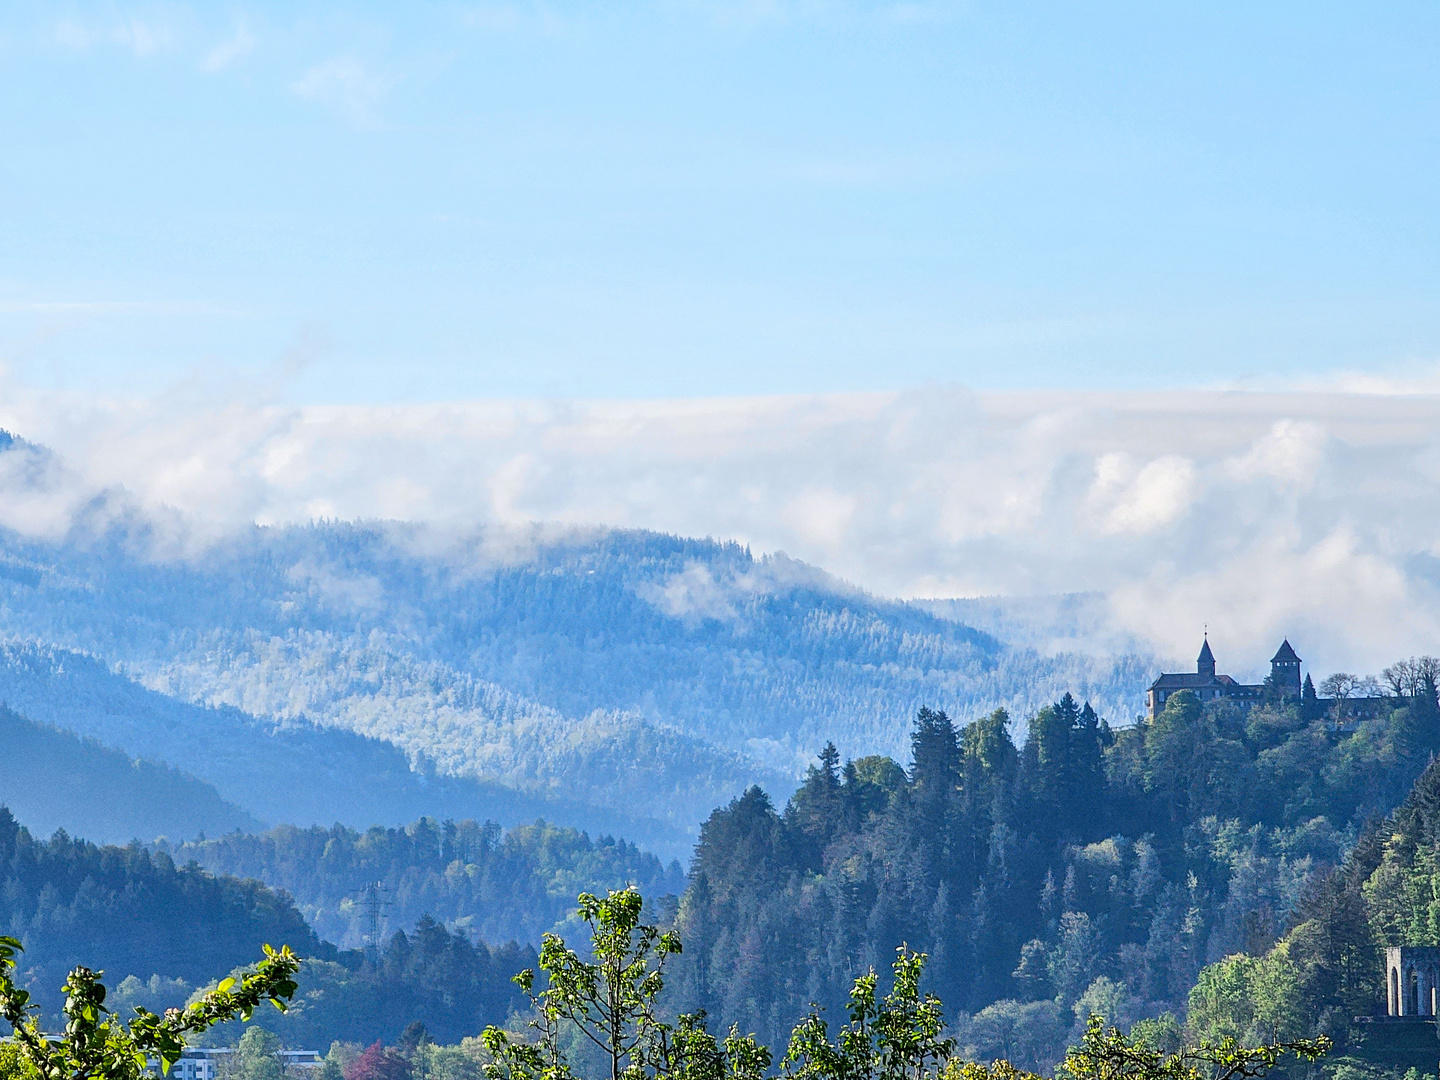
{"type": "Point", "coordinates": [123, 908]}
{"type": "Point", "coordinates": [292, 771]}
{"type": "Point", "coordinates": [160, 931]}
{"type": "Point", "coordinates": [55, 779]}
{"type": "Point", "coordinates": [474, 878]}
{"type": "Point", "coordinates": [602, 668]}
{"type": "Point", "coordinates": [1087, 868]}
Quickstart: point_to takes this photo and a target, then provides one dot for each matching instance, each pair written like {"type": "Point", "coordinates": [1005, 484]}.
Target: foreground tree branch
{"type": "Point", "coordinates": [96, 1045]}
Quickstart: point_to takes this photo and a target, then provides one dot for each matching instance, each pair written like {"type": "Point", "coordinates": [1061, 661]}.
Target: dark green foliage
{"type": "Point", "coordinates": [135, 913]}
{"type": "Point", "coordinates": [614, 1001]}
{"type": "Point", "coordinates": [499, 886]}
{"type": "Point", "coordinates": [1087, 861]}
{"type": "Point", "coordinates": [1105, 1054]}
{"type": "Point", "coordinates": [54, 779]}
{"type": "Point", "coordinates": [1384, 893]}
{"type": "Point", "coordinates": [1152, 1052]}
{"type": "Point", "coordinates": [127, 910]}
{"type": "Point", "coordinates": [450, 984]}
{"type": "Point", "coordinates": [897, 1037]}
{"type": "Point", "coordinates": [1310, 707]}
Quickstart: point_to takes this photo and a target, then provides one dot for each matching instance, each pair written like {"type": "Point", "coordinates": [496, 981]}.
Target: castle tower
{"type": "Point", "coordinates": [1205, 662]}
{"type": "Point", "coordinates": [1285, 670]}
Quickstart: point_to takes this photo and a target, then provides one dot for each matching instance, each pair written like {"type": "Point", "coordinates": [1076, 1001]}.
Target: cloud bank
{"type": "Point", "coordinates": [1314, 515]}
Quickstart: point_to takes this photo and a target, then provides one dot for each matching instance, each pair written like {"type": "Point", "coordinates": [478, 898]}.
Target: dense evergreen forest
{"type": "Point", "coordinates": [1085, 868]}
{"type": "Point", "coordinates": [445, 981]}
{"type": "Point", "coordinates": [1211, 872]}
{"type": "Point", "coordinates": [505, 886]}
{"type": "Point", "coordinates": [161, 931]}
{"type": "Point", "coordinates": [123, 908]}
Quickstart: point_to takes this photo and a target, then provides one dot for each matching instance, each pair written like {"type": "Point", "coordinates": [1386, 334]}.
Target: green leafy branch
{"type": "Point", "coordinates": [96, 1045]}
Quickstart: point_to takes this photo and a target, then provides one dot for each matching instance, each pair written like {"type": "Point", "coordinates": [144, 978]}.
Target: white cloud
{"type": "Point", "coordinates": [1307, 514]}
{"type": "Point", "coordinates": [1127, 497]}
{"type": "Point", "coordinates": [227, 52]}
{"type": "Point", "coordinates": [347, 86]}
{"type": "Point", "coordinates": [821, 517]}
{"type": "Point", "coordinates": [692, 594]}
{"type": "Point", "coordinates": [1291, 451]}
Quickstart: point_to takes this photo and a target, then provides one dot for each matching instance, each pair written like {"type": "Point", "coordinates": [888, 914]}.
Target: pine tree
{"type": "Point", "coordinates": [935, 748]}
{"type": "Point", "coordinates": [1310, 707]}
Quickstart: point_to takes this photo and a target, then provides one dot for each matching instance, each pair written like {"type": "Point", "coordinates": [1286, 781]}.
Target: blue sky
{"type": "Point", "coordinates": [409, 202]}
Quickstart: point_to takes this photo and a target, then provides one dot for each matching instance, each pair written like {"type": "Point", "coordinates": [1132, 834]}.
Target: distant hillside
{"type": "Point", "coordinates": [56, 780]}
{"type": "Point", "coordinates": [159, 932]}
{"type": "Point", "coordinates": [595, 668]}
{"type": "Point", "coordinates": [296, 772]}
{"type": "Point", "coordinates": [468, 875]}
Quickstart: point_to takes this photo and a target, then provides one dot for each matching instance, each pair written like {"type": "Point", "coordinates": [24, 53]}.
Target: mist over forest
{"type": "Point", "coordinates": [406, 750]}
{"type": "Point", "coordinates": [619, 681]}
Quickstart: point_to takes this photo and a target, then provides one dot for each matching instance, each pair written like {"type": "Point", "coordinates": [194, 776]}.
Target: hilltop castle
{"type": "Point", "coordinates": [1207, 686]}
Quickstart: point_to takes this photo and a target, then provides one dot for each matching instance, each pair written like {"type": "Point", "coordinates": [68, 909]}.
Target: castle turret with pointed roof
{"type": "Point", "coordinates": [1285, 670]}
{"type": "Point", "coordinates": [1205, 662]}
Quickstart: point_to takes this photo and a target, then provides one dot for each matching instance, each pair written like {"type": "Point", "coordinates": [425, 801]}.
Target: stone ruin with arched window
{"type": "Point", "coordinates": [1412, 980]}
{"type": "Point", "coordinates": [1407, 1035]}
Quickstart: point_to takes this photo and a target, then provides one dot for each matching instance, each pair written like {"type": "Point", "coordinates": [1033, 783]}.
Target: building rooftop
{"type": "Point", "coordinates": [1285, 654]}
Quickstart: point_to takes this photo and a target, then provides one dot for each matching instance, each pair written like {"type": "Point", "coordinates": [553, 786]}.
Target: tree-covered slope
{"type": "Point", "coordinates": [1084, 868]}
{"type": "Point", "coordinates": [54, 779]}
{"type": "Point", "coordinates": [501, 886]}
{"type": "Point", "coordinates": [1328, 968]}
{"type": "Point", "coordinates": [291, 771]}
{"type": "Point", "coordinates": [607, 668]}
{"type": "Point", "coordinates": [124, 909]}
{"type": "Point", "coordinates": [451, 984]}
{"type": "Point", "coordinates": [160, 931]}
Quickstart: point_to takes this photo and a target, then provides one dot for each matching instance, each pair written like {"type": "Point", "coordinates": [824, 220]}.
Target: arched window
{"type": "Point", "coordinates": [1412, 994]}
{"type": "Point", "coordinates": [1394, 993]}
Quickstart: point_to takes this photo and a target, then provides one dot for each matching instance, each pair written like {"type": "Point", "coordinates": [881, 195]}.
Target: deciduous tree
{"type": "Point", "coordinates": [96, 1045]}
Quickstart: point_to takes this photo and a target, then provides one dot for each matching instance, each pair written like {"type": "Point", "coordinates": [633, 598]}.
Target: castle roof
{"type": "Point", "coordinates": [1285, 654]}
{"type": "Point", "coordinates": [1206, 656]}
{"type": "Point", "coordinates": [1190, 680]}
